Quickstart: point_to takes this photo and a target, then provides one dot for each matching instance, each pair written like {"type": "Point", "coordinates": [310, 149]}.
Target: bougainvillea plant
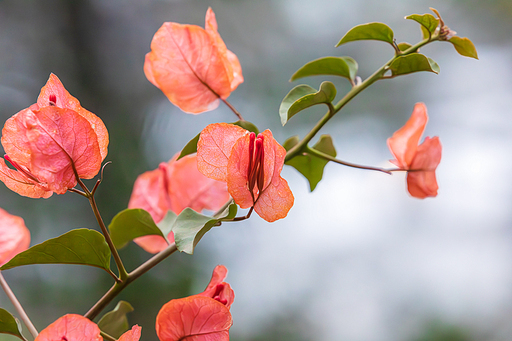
{"type": "Point", "coordinates": [55, 143]}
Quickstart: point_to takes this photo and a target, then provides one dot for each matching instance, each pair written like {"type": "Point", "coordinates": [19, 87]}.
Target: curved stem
{"type": "Point", "coordinates": [122, 271]}
{"type": "Point", "coordinates": [17, 305]}
{"type": "Point", "coordinates": [119, 286]}
{"type": "Point", "coordinates": [353, 165]}
{"type": "Point", "coordinates": [233, 109]}
{"type": "Point", "coordinates": [379, 74]}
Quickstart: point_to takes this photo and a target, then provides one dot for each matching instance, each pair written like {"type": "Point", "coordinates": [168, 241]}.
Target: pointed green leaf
{"type": "Point", "coordinates": [312, 167]}
{"type": "Point", "coordinates": [413, 62]}
{"type": "Point", "coordinates": [464, 47]}
{"type": "Point", "coordinates": [371, 31]}
{"type": "Point", "coordinates": [115, 322]}
{"type": "Point", "coordinates": [10, 325]}
{"type": "Point", "coordinates": [288, 109]}
{"type": "Point", "coordinates": [427, 21]}
{"type": "Point", "coordinates": [80, 246]}
{"type": "Point", "coordinates": [191, 146]}
{"type": "Point", "coordinates": [191, 226]}
{"type": "Point", "coordinates": [130, 224]}
{"type": "Point", "coordinates": [335, 66]}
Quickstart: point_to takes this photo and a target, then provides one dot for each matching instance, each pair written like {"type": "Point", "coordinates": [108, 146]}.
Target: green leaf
{"type": "Point", "coordinates": [335, 66]}
{"type": "Point", "coordinates": [130, 224]}
{"type": "Point", "coordinates": [115, 322]}
{"type": "Point", "coordinates": [191, 146]}
{"type": "Point", "coordinates": [191, 226]}
{"type": "Point", "coordinates": [413, 62]}
{"type": "Point", "coordinates": [247, 126]}
{"type": "Point", "coordinates": [293, 104]}
{"type": "Point", "coordinates": [10, 325]}
{"type": "Point", "coordinates": [165, 225]}
{"type": "Point", "coordinates": [312, 167]}
{"type": "Point", "coordinates": [371, 31]}
{"type": "Point", "coordinates": [427, 21]}
{"type": "Point", "coordinates": [464, 47]}
{"type": "Point", "coordinates": [80, 246]}
{"type": "Point", "coordinates": [404, 46]}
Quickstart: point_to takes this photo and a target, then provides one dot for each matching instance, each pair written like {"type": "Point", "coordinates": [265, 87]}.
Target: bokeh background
{"type": "Point", "coordinates": [357, 259]}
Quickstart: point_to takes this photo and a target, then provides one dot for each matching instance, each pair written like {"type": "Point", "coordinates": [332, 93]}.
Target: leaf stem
{"type": "Point", "coordinates": [119, 286]}
{"type": "Point", "coordinates": [353, 165]}
{"type": "Point", "coordinates": [233, 109]}
{"type": "Point", "coordinates": [107, 337]}
{"type": "Point", "coordinates": [379, 74]}
{"type": "Point", "coordinates": [17, 305]}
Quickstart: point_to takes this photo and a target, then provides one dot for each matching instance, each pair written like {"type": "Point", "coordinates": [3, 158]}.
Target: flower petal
{"type": "Point", "coordinates": [194, 318]}
{"type": "Point", "coordinates": [191, 66]}
{"type": "Point", "coordinates": [422, 184]}
{"type": "Point", "coordinates": [174, 186]}
{"type": "Point", "coordinates": [64, 100]}
{"type": "Point", "coordinates": [132, 334]}
{"type": "Point", "coordinates": [71, 327]}
{"type": "Point", "coordinates": [60, 139]}
{"type": "Point", "coordinates": [189, 188]}
{"type": "Point", "coordinates": [19, 183]}
{"type": "Point", "coordinates": [404, 142]}
{"type": "Point", "coordinates": [14, 236]}
{"type": "Point", "coordinates": [15, 140]}
{"type": "Point", "coordinates": [214, 149]}
{"type": "Point", "coordinates": [218, 288]}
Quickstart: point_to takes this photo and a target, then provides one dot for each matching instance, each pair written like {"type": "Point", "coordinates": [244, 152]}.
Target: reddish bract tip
{"type": "Point", "coordinates": [53, 100]}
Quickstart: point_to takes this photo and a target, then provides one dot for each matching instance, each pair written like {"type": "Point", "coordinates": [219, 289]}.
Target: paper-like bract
{"type": "Point", "coordinates": [192, 65]}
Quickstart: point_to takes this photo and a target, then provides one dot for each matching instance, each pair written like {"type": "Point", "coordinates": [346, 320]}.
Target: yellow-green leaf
{"type": "Point", "coordinates": [464, 47]}
{"type": "Point", "coordinates": [371, 31]}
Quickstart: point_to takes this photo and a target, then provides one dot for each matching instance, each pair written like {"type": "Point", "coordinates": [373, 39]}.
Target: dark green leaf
{"type": "Point", "coordinates": [247, 126]}
{"type": "Point", "coordinates": [191, 226]}
{"type": "Point", "coordinates": [80, 246]}
{"type": "Point", "coordinates": [312, 167]}
{"type": "Point", "coordinates": [336, 66]}
{"type": "Point", "coordinates": [371, 31]}
{"type": "Point", "coordinates": [413, 62]}
{"type": "Point", "coordinates": [464, 47]}
{"type": "Point", "coordinates": [130, 224]}
{"type": "Point", "coordinates": [427, 21]}
{"type": "Point", "coordinates": [9, 324]}
{"type": "Point", "coordinates": [325, 95]}
{"type": "Point", "coordinates": [191, 146]}
{"type": "Point", "coordinates": [115, 322]}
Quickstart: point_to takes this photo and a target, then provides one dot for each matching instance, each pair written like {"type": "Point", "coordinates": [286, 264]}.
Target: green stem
{"type": "Point", "coordinates": [353, 165]}
{"type": "Point", "coordinates": [107, 337]}
{"type": "Point", "coordinates": [119, 286]}
{"type": "Point", "coordinates": [379, 74]}
{"type": "Point", "coordinates": [17, 305]}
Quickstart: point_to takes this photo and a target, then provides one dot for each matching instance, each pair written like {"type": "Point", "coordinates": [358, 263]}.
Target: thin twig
{"type": "Point", "coordinates": [17, 305]}
{"type": "Point", "coordinates": [233, 109]}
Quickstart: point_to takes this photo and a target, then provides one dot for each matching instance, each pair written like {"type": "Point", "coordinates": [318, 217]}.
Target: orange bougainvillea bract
{"type": "Point", "coordinates": [420, 161]}
{"type": "Point", "coordinates": [73, 327]}
{"type": "Point", "coordinates": [192, 65]}
{"type": "Point", "coordinates": [173, 186]}
{"type": "Point", "coordinates": [251, 165]}
{"type": "Point", "coordinates": [47, 142]}
{"type": "Point", "coordinates": [202, 317]}
{"type": "Point", "coordinates": [14, 236]}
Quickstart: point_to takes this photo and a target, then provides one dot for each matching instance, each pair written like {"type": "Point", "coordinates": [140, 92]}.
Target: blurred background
{"type": "Point", "coordinates": [358, 259]}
